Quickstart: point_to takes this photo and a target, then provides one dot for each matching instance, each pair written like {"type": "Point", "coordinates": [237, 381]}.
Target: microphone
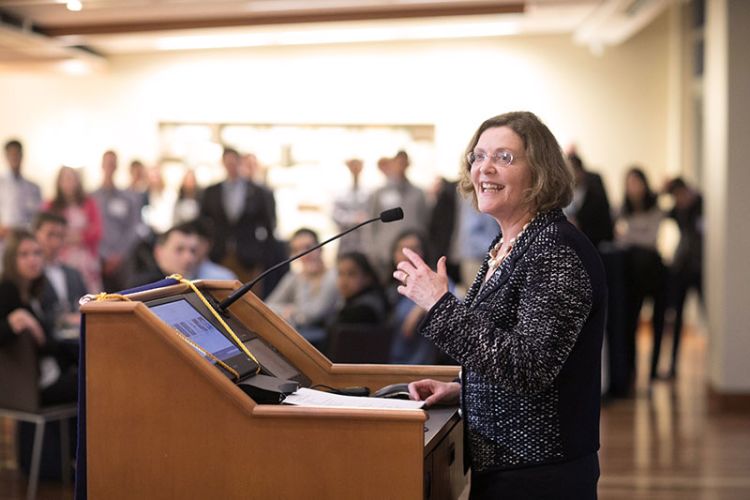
{"type": "Point", "coordinates": [390, 215]}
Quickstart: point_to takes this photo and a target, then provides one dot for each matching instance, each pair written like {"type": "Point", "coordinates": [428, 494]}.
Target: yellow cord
{"type": "Point", "coordinates": [104, 296]}
{"type": "Point", "coordinates": [218, 317]}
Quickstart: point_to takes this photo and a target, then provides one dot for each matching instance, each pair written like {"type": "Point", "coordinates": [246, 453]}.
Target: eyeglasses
{"type": "Point", "coordinates": [501, 158]}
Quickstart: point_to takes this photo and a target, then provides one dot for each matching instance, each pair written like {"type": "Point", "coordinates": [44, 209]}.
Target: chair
{"type": "Point", "coordinates": [358, 343]}
{"type": "Point", "coordinates": [19, 400]}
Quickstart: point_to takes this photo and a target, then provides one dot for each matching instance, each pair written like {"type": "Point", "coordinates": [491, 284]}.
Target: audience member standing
{"type": "Point", "coordinates": [687, 265]}
{"type": "Point", "coordinates": [160, 201]}
{"type": "Point", "coordinates": [243, 218]}
{"type": "Point", "coordinates": [476, 231]}
{"type": "Point", "coordinates": [138, 183]}
{"type": "Point", "coordinates": [638, 229]}
{"type": "Point", "coordinates": [397, 192]}
{"type": "Point", "coordinates": [121, 219]}
{"type": "Point", "coordinates": [443, 225]}
{"type": "Point", "coordinates": [251, 170]}
{"type": "Point", "coordinates": [589, 210]}
{"type": "Point", "coordinates": [81, 248]}
{"type": "Point", "coordinates": [187, 207]}
{"type": "Point", "coordinates": [20, 199]}
{"type": "Point", "coordinates": [350, 209]}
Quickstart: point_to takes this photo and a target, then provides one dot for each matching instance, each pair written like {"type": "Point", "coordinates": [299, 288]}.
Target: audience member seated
{"type": "Point", "coordinates": [21, 311]}
{"type": "Point", "coordinates": [64, 285]}
{"type": "Point", "coordinates": [175, 252]}
{"type": "Point", "coordinates": [306, 299]}
{"type": "Point", "coordinates": [81, 247]}
{"type": "Point", "coordinates": [359, 332]}
{"type": "Point", "coordinates": [206, 268]}
{"type": "Point", "coordinates": [408, 346]}
{"type": "Point", "coordinates": [359, 286]}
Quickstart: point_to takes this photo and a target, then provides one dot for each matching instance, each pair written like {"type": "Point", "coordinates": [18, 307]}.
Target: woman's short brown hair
{"type": "Point", "coordinates": [551, 179]}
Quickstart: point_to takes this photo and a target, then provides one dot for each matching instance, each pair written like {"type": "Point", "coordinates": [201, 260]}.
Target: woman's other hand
{"type": "Point", "coordinates": [21, 320]}
{"type": "Point", "coordinates": [423, 286]}
{"type": "Point", "coordinates": [434, 392]}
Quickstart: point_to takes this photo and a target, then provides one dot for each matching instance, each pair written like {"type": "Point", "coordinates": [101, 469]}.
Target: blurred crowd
{"type": "Point", "coordinates": [116, 237]}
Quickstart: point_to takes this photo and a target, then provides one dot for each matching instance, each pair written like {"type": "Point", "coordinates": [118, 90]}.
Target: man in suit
{"type": "Point", "coordinates": [589, 210]}
{"type": "Point", "coordinates": [243, 215]}
{"type": "Point", "coordinates": [64, 285]}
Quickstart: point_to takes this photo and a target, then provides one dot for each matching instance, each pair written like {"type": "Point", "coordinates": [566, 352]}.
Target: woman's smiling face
{"type": "Point", "coordinates": [501, 190]}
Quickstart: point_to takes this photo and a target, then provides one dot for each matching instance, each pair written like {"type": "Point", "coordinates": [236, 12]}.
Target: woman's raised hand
{"type": "Point", "coordinates": [420, 283]}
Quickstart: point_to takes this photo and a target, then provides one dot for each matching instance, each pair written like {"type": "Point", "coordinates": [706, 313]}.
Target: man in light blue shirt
{"type": "Point", "coordinates": [121, 219]}
{"type": "Point", "coordinates": [20, 199]}
{"type": "Point", "coordinates": [208, 269]}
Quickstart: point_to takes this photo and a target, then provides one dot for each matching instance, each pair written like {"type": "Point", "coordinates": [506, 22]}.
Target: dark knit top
{"type": "Point", "coordinates": [529, 341]}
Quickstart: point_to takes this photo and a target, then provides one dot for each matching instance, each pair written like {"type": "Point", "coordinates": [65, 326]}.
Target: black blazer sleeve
{"type": "Point", "coordinates": [10, 300]}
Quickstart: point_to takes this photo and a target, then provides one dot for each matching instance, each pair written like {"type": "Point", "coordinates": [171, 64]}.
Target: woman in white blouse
{"type": "Point", "coordinates": [637, 229]}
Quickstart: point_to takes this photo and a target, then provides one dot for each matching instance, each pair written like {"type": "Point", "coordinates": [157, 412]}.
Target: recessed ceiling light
{"type": "Point", "coordinates": [74, 5]}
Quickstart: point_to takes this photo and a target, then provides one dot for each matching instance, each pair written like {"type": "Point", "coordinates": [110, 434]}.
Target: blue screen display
{"type": "Point", "coordinates": [183, 317]}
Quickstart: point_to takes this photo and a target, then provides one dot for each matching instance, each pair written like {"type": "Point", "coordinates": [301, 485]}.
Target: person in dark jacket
{"type": "Point", "coordinates": [529, 332]}
{"type": "Point", "coordinates": [590, 210]}
{"type": "Point", "coordinates": [64, 285]}
{"type": "Point", "coordinates": [364, 298]}
{"type": "Point", "coordinates": [687, 265]}
{"type": "Point", "coordinates": [21, 312]}
{"type": "Point", "coordinates": [243, 214]}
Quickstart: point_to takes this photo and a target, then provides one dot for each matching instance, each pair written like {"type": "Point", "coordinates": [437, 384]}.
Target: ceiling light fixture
{"type": "Point", "coordinates": [341, 35]}
{"type": "Point", "coordinates": [74, 5]}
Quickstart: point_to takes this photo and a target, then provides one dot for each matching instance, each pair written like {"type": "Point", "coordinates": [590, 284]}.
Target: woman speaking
{"type": "Point", "coordinates": [528, 334]}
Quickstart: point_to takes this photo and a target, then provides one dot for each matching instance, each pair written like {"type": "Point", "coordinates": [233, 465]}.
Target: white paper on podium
{"type": "Point", "coordinates": [311, 397]}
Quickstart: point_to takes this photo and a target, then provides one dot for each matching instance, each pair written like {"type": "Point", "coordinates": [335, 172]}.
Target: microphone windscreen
{"type": "Point", "coordinates": [392, 214]}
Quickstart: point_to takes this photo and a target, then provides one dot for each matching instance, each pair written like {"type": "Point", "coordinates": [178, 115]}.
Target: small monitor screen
{"type": "Point", "coordinates": [183, 317]}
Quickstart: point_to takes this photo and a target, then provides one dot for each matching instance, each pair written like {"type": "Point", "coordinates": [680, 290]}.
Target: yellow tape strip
{"type": "Point", "coordinates": [218, 318]}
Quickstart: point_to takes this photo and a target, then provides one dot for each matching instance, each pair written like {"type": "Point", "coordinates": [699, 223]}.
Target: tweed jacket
{"type": "Point", "coordinates": [529, 342]}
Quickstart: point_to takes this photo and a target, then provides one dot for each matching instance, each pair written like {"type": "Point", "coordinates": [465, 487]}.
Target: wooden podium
{"type": "Point", "coordinates": [164, 423]}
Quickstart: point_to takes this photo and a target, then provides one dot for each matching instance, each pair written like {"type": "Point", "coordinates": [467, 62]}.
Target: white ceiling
{"type": "Point", "coordinates": [35, 31]}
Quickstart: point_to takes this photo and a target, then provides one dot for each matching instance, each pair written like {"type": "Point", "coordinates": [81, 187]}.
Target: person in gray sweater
{"type": "Point", "coordinates": [307, 299]}
{"type": "Point", "coordinates": [528, 333]}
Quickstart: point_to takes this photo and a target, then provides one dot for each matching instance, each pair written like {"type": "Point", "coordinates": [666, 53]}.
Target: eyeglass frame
{"type": "Point", "coordinates": [494, 157]}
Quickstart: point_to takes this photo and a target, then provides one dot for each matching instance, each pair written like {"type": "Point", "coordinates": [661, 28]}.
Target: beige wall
{"type": "Point", "coordinates": [727, 114]}
{"type": "Point", "coordinates": [614, 106]}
